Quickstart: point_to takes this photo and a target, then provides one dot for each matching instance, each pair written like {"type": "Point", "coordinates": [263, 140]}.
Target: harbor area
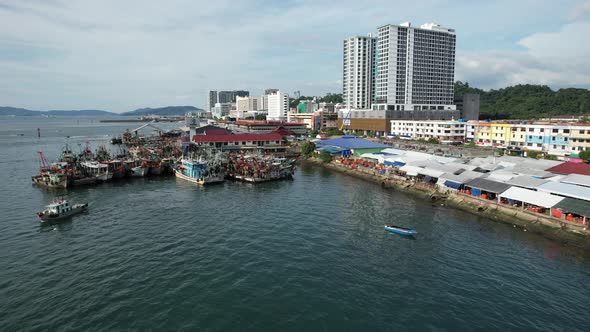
{"type": "Point", "coordinates": [202, 155]}
{"type": "Point", "coordinates": [545, 196]}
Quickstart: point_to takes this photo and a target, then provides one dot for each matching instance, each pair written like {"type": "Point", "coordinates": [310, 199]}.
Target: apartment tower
{"type": "Point", "coordinates": [415, 68]}
{"type": "Point", "coordinates": [358, 67]}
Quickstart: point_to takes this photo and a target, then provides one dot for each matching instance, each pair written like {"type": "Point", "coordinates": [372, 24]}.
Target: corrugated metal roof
{"type": "Point", "coordinates": [526, 181]}
{"type": "Point", "coordinates": [566, 189]}
{"type": "Point", "coordinates": [576, 206]}
{"type": "Point", "coordinates": [542, 199]}
{"type": "Point", "coordinates": [410, 170]}
{"type": "Point", "coordinates": [580, 180]}
{"type": "Point", "coordinates": [570, 168]}
{"type": "Point", "coordinates": [431, 172]}
{"type": "Point", "coordinates": [463, 177]}
{"type": "Point", "coordinates": [501, 175]}
{"type": "Point", "coordinates": [488, 185]}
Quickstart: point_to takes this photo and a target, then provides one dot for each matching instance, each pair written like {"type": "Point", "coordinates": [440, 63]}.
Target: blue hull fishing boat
{"type": "Point", "coordinates": [400, 230]}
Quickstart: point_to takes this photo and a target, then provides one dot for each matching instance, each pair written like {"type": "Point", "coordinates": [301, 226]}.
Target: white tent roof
{"type": "Point", "coordinates": [463, 177]}
{"type": "Point", "coordinates": [542, 199]}
{"type": "Point", "coordinates": [581, 180]}
{"type": "Point", "coordinates": [565, 189]}
{"type": "Point", "coordinates": [410, 170]}
{"type": "Point", "coordinates": [501, 175]}
{"type": "Point", "coordinates": [526, 181]}
{"type": "Point", "coordinates": [431, 172]}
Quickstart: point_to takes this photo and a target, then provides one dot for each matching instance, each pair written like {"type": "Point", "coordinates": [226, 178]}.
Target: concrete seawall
{"type": "Point", "coordinates": [527, 221]}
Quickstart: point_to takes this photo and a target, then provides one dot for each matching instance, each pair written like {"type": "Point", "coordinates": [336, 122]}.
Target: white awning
{"type": "Point", "coordinates": [536, 198]}
{"type": "Point", "coordinates": [431, 172]}
{"type": "Point", "coordinates": [410, 170]}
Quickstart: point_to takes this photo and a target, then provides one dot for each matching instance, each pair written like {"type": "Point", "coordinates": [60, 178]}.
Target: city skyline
{"type": "Point", "coordinates": [118, 57]}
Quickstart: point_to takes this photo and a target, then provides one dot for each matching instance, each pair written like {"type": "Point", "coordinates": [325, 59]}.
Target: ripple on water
{"type": "Point", "coordinates": [162, 254]}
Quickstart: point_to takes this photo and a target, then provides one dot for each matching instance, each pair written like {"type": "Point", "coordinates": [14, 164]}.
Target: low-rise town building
{"type": "Point", "coordinates": [442, 131]}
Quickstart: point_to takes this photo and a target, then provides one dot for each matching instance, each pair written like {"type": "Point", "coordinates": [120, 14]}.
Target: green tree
{"type": "Point", "coordinates": [584, 155]}
{"type": "Point", "coordinates": [332, 98]}
{"type": "Point", "coordinates": [325, 156]}
{"type": "Point", "coordinates": [307, 149]}
{"type": "Point", "coordinates": [550, 157]}
{"type": "Point", "coordinates": [432, 140]}
{"type": "Point", "coordinates": [526, 101]}
{"type": "Point", "coordinates": [532, 154]}
{"type": "Point", "coordinates": [314, 133]}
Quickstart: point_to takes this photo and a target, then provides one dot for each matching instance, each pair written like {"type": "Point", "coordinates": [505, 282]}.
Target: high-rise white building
{"type": "Point", "coordinates": [278, 106]}
{"type": "Point", "coordinates": [415, 68]}
{"type": "Point", "coordinates": [358, 67]}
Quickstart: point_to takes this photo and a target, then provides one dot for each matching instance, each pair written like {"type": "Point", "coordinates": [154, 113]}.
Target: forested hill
{"type": "Point", "coordinates": [528, 101]}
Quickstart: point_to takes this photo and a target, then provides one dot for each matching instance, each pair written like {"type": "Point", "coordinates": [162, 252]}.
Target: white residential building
{"type": "Point", "coordinates": [278, 106]}
{"type": "Point", "coordinates": [415, 68]}
{"type": "Point", "coordinates": [443, 131]}
{"type": "Point", "coordinates": [249, 104]}
{"type": "Point", "coordinates": [221, 109]}
{"type": "Point", "coordinates": [358, 67]}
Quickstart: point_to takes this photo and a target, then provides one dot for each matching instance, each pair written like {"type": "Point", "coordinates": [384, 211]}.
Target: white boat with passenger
{"type": "Point", "coordinates": [60, 209]}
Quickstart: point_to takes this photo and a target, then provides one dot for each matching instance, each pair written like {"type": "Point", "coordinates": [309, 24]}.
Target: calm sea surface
{"type": "Point", "coordinates": [310, 254]}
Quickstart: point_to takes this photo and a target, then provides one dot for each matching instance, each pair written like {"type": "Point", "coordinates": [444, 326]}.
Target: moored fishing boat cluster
{"type": "Point", "coordinates": [88, 167]}
{"type": "Point", "coordinates": [167, 153]}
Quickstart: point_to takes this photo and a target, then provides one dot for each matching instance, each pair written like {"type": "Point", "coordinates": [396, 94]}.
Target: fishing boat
{"type": "Point", "coordinates": [51, 175]}
{"type": "Point", "coordinates": [155, 167]}
{"type": "Point", "coordinates": [140, 169]}
{"type": "Point", "coordinates": [200, 172]}
{"type": "Point", "coordinates": [51, 180]}
{"type": "Point", "coordinates": [117, 168]}
{"type": "Point", "coordinates": [98, 170]}
{"type": "Point", "coordinates": [400, 230]}
{"type": "Point", "coordinates": [259, 168]}
{"type": "Point", "coordinates": [60, 209]}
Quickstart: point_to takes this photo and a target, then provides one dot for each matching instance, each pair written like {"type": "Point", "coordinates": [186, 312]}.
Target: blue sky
{"type": "Point", "coordinates": [122, 55]}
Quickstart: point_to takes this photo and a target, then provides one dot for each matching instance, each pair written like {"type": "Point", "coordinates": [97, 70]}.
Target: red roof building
{"type": "Point", "coordinates": [253, 126]}
{"type": "Point", "coordinates": [570, 168]}
{"type": "Point", "coordinates": [241, 141]}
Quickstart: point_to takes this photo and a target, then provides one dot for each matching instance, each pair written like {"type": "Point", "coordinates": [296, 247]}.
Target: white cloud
{"type": "Point", "coordinates": [120, 55]}
{"type": "Point", "coordinates": [557, 59]}
{"type": "Point", "coordinates": [580, 11]}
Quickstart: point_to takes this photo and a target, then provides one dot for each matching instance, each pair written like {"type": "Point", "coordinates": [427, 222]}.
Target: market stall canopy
{"type": "Point", "coordinates": [463, 177]}
{"type": "Point", "coordinates": [488, 185]}
{"type": "Point", "coordinates": [573, 205]}
{"type": "Point", "coordinates": [580, 180]}
{"type": "Point", "coordinates": [541, 199]}
{"type": "Point", "coordinates": [410, 170]}
{"type": "Point", "coordinates": [565, 189]}
{"type": "Point", "coordinates": [526, 181]}
{"type": "Point", "coordinates": [434, 173]}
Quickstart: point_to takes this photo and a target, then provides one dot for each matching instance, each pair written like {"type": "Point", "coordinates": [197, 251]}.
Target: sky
{"type": "Point", "coordinates": [119, 55]}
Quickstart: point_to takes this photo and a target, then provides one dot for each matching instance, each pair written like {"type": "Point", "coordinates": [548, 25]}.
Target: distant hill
{"type": "Point", "coordinates": [80, 113]}
{"type": "Point", "coordinates": [164, 111]}
{"type": "Point", "coordinates": [528, 101]}
{"type": "Point", "coordinates": [5, 110]}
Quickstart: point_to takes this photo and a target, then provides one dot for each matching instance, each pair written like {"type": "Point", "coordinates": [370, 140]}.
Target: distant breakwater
{"type": "Point", "coordinates": [526, 221]}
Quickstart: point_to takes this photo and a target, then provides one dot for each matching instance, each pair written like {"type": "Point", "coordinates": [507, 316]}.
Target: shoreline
{"type": "Point", "coordinates": [537, 224]}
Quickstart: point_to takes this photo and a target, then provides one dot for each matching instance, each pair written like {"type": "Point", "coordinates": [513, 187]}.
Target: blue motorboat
{"type": "Point", "coordinates": [400, 230]}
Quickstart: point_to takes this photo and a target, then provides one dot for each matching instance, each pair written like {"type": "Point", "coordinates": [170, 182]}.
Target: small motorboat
{"type": "Point", "coordinates": [400, 230]}
{"type": "Point", "coordinates": [60, 209]}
